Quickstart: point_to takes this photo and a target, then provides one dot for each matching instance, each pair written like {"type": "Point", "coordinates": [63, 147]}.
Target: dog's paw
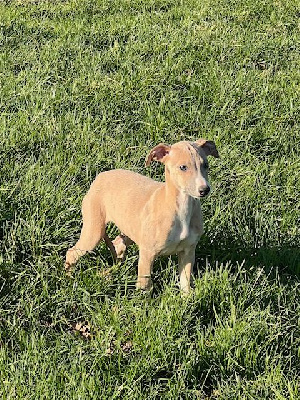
{"type": "Point", "coordinates": [144, 283]}
{"type": "Point", "coordinates": [68, 269]}
{"type": "Point", "coordinates": [186, 293]}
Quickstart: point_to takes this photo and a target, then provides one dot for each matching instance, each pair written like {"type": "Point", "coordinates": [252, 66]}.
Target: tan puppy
{"type": "Point", "coordinates": [161, 218]}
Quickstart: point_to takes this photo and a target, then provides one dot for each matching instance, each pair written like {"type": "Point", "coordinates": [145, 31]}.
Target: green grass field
{"type": "Point", "coordinates": [91, 85]}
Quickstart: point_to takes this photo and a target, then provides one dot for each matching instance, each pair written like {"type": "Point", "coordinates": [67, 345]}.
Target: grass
{"type": "Point", "coordinates": [90, 85]}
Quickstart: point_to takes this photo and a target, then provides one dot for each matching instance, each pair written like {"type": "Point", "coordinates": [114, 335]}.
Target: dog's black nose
{"type": "Point", "coordinates": [204, 191]}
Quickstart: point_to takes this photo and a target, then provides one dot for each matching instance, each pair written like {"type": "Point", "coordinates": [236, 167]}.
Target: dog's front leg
{"type": "Point", "coordinates": [146, 259]}
{"type": "Point", "coordinates": [186, 259]}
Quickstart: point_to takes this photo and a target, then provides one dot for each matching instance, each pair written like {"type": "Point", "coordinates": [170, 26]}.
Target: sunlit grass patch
{"type": "Point", "coordinates": [88, 86]}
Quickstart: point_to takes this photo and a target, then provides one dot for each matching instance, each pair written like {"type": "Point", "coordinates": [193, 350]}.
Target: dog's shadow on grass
{"type": "Point", "coordinates": [284, 258]}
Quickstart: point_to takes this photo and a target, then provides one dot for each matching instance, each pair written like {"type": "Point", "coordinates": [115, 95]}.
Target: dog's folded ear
{"type": "Point", "coordinates": [208, 146]}
{"type": "Point", "coordinates": [158, 153]}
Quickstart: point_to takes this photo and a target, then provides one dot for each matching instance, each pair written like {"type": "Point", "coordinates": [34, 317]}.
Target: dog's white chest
{"type": "Point", "coordinates": [183, 233]}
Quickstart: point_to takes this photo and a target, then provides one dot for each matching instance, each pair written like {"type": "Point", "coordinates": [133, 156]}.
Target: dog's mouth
{"type": "Point", "coordinates": [197, 196]}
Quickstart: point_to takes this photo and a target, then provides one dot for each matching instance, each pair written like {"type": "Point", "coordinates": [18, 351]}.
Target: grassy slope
{"type": "Point", "coordinates": [92, 85]}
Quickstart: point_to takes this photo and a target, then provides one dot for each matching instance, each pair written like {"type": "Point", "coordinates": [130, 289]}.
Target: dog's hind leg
{"type": "Point", "coordinates": [111, 247]}
{"type": "Point", "coordinates": [93, 230]}
{"type": "Point", "coordinates": [120, 243]}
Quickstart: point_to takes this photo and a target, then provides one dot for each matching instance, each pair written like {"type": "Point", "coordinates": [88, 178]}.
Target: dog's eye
{"type": "Point", "coordinates": [183, 167]}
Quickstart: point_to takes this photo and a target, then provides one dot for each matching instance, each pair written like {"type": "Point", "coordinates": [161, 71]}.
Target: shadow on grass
{"type": "Point", "coordinates": [285, 258]}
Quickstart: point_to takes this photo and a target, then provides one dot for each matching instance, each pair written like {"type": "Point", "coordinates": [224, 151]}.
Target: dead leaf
{"type": "Point", "coordinates": [83, 328]}
{"type": "Point", "coordinates": [106, 274]}
{"type": "Point", "coordinates": [126, 347]}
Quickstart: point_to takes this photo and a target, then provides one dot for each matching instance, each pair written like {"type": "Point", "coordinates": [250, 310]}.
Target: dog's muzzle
{"type": "Point", "coordinates": [204, 191]}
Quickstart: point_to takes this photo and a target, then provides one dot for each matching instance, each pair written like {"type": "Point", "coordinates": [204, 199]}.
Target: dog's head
{"type": "Point", "coordinates": [186, 164]}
